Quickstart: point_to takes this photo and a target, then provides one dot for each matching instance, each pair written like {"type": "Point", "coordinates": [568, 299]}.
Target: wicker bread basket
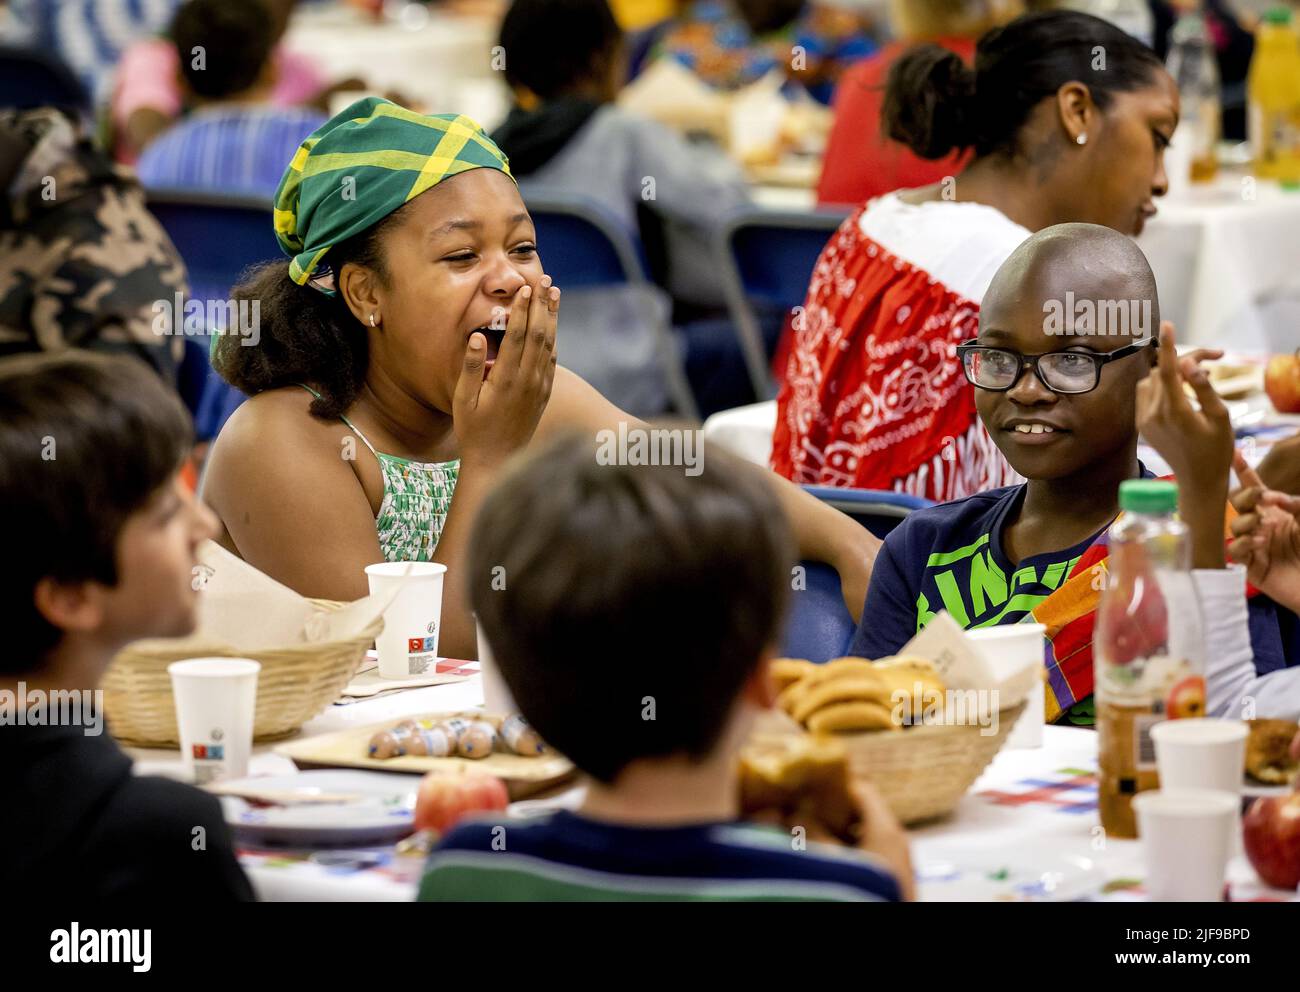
{"type": "Point", "coordinates": [296, 683]}
{"type": "Point", "coordinates": [922, 772]}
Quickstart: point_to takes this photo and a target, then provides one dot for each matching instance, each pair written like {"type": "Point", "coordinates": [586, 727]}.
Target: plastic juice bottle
{"type": "Point", "coordinates": [1148, 646]}
{"type": "Point", "coordinates": [1273, 89]}
{"type": "Point", "coordinates": [1192, 65]}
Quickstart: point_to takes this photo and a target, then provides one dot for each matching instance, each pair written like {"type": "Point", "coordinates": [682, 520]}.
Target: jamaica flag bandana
{"type": "Point", "coordinates": [360, 166]}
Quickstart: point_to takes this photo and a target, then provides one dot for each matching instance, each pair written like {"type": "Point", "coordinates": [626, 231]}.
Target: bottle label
{"type": "Point", "coordinates": [1141, 681]}
{"type": "Point", "coordinates": [1144, 748]}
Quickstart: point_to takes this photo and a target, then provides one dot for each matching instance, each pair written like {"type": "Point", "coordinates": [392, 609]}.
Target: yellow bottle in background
{"type": "Point", "coordinates": [1273, 88]}
{"type": "Point", "coordinates": [636, 15]}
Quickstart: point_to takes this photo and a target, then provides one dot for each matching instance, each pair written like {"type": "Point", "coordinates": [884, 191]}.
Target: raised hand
{"type": "Point", "coordinates": [1266, 537]}
{"type": "Point", "coordinates": [496, 414]}
{"type": "Point", "coordinates": [1197, 444]}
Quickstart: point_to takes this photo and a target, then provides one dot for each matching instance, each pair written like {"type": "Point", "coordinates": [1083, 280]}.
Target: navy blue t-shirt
{"type": "Point", "coordinates": [950, 557]}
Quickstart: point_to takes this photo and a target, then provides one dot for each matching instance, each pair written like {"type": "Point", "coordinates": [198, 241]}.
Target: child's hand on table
{"type": "Point", "coordinates": [1266, 537]}
{"type": "Point", "coordinates": [1197, 444]}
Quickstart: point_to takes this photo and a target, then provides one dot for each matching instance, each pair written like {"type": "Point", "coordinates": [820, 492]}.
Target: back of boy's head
{"type": "Point", "coordinates": [85, 441]}
{"type": "Point", "coordinates": [626, 606]}
{"type": "Point", "coordinates": [552, 47]}
{"type": "Point", "coordinates": [1091, 261]}
{"type": "Point", "coordinates": [223, 45]}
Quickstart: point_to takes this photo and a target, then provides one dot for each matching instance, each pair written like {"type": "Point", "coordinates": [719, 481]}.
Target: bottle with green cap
{"type": "Point", "coordinates": [1273, 98]}
{"type": "Point", "coordinates": [1148, 645]}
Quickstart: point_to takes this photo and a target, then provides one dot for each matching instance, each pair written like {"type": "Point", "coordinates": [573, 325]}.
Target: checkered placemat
{"type": "Point", "coordinates": [1066, 790]}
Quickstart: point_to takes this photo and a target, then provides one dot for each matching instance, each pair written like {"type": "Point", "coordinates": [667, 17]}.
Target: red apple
{"type": "Point", "coordinates": [1271, 832]}
{"type": "Point", "coordinates": [443, 800]}
{"type": "Point", "coordinates": [1282, 382]}
{"type": "Point", "coordinates": [1186, 699]}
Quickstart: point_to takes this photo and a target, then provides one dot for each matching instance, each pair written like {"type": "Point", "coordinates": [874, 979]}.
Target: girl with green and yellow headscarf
{"type": "Point", "coordinates": [406, 349]}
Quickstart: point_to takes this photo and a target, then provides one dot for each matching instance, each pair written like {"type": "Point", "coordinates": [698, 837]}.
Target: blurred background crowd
{"type": "Point", "coordinates": [664, 120]}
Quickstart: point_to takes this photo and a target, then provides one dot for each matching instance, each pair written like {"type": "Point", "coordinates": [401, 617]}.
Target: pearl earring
{"type": "Point", "coordinates": [372, 319]}
{"type": "Point", "coordinates": [1081, 139]}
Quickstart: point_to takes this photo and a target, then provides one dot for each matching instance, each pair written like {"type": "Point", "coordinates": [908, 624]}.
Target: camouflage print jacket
{"type": "Point", "coordinates": [82, 261]}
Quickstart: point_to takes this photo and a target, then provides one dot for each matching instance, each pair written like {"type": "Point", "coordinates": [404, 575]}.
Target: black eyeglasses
{"type": "Point", "coordinates": [1068, 372]}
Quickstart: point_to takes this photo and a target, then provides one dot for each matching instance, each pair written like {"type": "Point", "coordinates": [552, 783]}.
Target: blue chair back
{"type": "Point", "coordinates": [584, 246]}
{"type": "Point", "coordinates": [818, 625]}
{"type": "Point", "coordinates": [878, 510]}
{"type": "Point", "coordinates": [766, 257]}
{"type": "Point", "coordinates": [30, 77]}
{"type": "Point", "coordinates": [218, 237]}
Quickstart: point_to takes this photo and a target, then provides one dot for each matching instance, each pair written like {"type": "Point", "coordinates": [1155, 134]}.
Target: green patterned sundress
{"type": "Point", "coordinates": [417, 496]}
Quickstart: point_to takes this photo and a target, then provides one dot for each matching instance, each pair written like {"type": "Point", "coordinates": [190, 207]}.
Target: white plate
{"type": "Point", "coordinates": [1253, 790]}
{"type": "Point", "coordinates": [376, 807]}
{"type": "Point", "coordinates": [987, 877]}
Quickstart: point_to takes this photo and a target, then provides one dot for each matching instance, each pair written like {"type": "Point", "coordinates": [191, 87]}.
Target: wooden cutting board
{"type": "Point", "coordinates": [523, 776]}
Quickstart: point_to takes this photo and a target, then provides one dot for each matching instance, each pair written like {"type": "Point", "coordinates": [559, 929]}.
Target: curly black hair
{"type": "Point", "coordinates": [306, 336]}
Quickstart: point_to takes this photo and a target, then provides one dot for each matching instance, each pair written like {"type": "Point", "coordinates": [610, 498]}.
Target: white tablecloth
{"type": "Point", "coordinates": [1227, 264]}
{"type": "Point", "coordinates": [444, 61]}
{"type": "Point", "coordinates": [1020, 811]}
{"type": "Point", "coordinates": [1226, 258]}
{"type": "Point", "coordinates": [993, 819]}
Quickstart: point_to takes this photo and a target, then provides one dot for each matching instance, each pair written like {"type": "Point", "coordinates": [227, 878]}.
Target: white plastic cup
{"type": "Point", "coordinates": [1186, 839]}
{"type": "Point", "coordinates": [496, 697]}
{"type": "Point", "coordinates": [408, 644]}
{"type": "Point", "coordinates": [216, 700]}
{"type": "Point", "coordinates": [1201, 753]}
{"type": "Point", "coordinates": [1015, 648]}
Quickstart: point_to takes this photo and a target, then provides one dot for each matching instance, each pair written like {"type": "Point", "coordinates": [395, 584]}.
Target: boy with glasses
{"type": "Point", "coordinates": [1060, 399]}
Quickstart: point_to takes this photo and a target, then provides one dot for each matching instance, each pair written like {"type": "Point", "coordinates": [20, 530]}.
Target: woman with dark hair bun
{"type": "Point", "coordinates": [1067, 118]}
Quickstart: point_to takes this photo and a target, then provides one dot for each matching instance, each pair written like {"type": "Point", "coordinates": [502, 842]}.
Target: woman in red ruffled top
{"type": "Point", "coordinates": [1067, 119]}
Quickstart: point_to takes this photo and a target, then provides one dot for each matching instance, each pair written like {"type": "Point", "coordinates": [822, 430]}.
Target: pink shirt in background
{"type": "Point", "coordinates": [146, 77]}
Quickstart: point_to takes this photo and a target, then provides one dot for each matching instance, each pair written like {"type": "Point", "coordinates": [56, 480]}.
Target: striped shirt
{"type": "Point", "coordinates": [564, 858]}
{"type": "Point", "coordinates": [89, 35]}
{"type": "Point", "coordinates": [237, 150]}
